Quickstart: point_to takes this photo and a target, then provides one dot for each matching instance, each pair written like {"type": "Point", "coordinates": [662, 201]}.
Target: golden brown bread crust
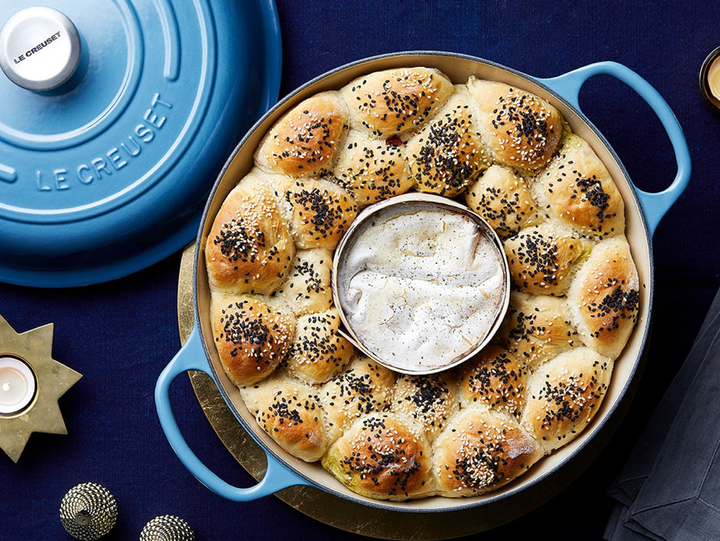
{"type": "Point", "coordinates": [538, 328]}
{"type": "Point", "coordinates": [382, 456]}
{"type": "Point", "coordinates": [428, 400]}
{"type": "Point", "coordinates": [577, 189]}
{"type": "Point", "coordinates": [250, 337]}
{"type": "Point", "coordinates": [372, 169]}
{"type": "Point", "coordinates": [319, 212]}
{"type": "Point", "coordinates": [249, 248]}
{"type": "Point", "coordinates": [363, 387]}
{"type": "Point", "coordinates": [447, 155]}
{"type": "Point", "coordinates": [318, 351]}
{"type": "Point", "coordinates": [521, 129]}
{"type": "Point", "coordinates": [542, 259]}
{"type": "Point", "coordinates": [564, 395]}
{"type": "Point", "coordinates": [605, 297]}
{"type": "Point", "coordinates": [308, 288]}
{"type": "Point", "coordinates": [480, 451]}
{"type": "Point", "coordinates": [502, 198]}
{"type": "Point", "coordinates": [259, 181]}
{"type": "Point", "coordinates": [304, 141]}
{"type": "Point", "coordinates": [495, 378]}
{"type": "Point", "coordinates": [394, 102]}
{"type": "Point", "coordinates": [290, 413]}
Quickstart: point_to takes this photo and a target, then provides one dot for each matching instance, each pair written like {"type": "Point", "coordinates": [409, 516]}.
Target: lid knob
{"type": "Point", "coordinates": [39, 48]}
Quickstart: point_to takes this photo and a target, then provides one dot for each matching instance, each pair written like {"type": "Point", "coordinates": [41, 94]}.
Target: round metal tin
{"type": "Point", "coordinates": [416, 201]}
{"type": "Point", "coordinates": [108, 173]}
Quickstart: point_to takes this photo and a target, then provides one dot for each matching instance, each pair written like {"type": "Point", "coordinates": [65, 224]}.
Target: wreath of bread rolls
{"type": "Point", "coordinates": [510, 156]}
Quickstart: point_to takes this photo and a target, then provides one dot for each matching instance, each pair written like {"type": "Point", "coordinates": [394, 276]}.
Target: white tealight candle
{"type": "Point", "coordinates": [17, 385]}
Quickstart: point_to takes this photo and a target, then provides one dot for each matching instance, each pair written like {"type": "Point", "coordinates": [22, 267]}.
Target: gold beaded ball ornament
{"type": "Point", "coordinates": [167, 528]}
{"type": "Point", "coordinates": [88, 511]}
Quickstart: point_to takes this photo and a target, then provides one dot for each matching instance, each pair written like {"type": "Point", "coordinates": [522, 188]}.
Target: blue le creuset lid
{"type": "Point", "coordinates": [115, 119]}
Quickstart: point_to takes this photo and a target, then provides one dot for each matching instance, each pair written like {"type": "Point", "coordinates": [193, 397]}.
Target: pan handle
{"type": "Point", "coordinates": [192, 357]}
{"type": "Point", "coordinates": [654, 205]}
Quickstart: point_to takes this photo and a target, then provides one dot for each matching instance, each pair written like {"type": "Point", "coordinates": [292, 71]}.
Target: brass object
{"type": "Point", "coordinates": [326, 508]}
{"type": "Point", "coordinates": [88, 511]}
{"type": "Point", "coordinates": [167, 528]}
{"type": "Point", "coordinates": [34, 347]}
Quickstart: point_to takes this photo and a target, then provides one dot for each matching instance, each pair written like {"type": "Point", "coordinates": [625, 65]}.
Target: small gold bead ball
{"type": "Point", "coordinates": [167, 528]}
{"type": "Point", "coordinates": [88, 511]}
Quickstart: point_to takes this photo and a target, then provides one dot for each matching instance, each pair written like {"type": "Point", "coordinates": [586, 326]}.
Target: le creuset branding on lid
{"type": "Point", "coordinates": [39, 48]}
{"type": "Point", "coordinates": [115, 119]}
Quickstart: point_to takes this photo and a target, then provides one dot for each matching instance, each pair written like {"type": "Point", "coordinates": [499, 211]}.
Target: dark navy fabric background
{"type": "Point", "coordinates": [120, 335]}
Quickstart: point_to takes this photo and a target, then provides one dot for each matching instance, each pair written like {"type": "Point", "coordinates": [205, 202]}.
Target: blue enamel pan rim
{"type": "Point", "coordinates": [654, 206]}
{"type": "Point", "coordinates": [272, 52]}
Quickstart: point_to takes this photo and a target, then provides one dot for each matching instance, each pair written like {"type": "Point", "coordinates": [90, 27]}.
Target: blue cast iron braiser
{"type": "Point", "coordinates": [643, 213]}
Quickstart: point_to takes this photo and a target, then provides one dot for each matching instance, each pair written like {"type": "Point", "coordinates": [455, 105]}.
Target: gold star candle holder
{"type": "Point", "coordinates": [31, 382]}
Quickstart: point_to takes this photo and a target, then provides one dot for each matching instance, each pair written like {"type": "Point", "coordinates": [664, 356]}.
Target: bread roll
{"type": "Point", "coordinates": [249, 248]}
{"type": "Point", "coordinates": [259, 181]}
{"type": "Point", "coordinates": [447, 155]}
{"type": "Point", "coordinates": [304, 141]}
{"type": "Point", "coordinates": [577, 190]}
{"type": "Point", "coordinates": [428, 400]}
{"type": "Point", "coordinates": [564, 395]}
{"type": "Point", "coordinates": [382, 456]}
{"type": "Point", "coordinates": [542, 259]}
{"type": "Point", "coordinates": [480, 451]}
{"type": "Point", "coordinates": [319, 351]}
{"type": "Point", "coordinates": [521, 129]}
{"type": "Point", "coordinates": [372, 169]}
{"type": "Point", "coordinates": [494, 378]}
{"type": "Point", "coordinates": [395, 102]}
{"type": "Point", "coordinates": [502, 198]}
{"type": "Point", "coordinates": [319, 212]}
{"type": "Point", "coordinates": [538, 328]}
{"type": "Point", "coordinates": [605, 297]}
{"type": "Point", "coordinates": [290, 413]}
{"type": "Point", "coordinates": [251, 338]}
{"type": "Point", "coordinates": [308, 289]}
{"type": "Point", "coordinates": [363, 387]}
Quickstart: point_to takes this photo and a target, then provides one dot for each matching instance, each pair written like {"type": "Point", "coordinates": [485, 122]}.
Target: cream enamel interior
{"type": "Point", "coordinates": [458, 69]}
